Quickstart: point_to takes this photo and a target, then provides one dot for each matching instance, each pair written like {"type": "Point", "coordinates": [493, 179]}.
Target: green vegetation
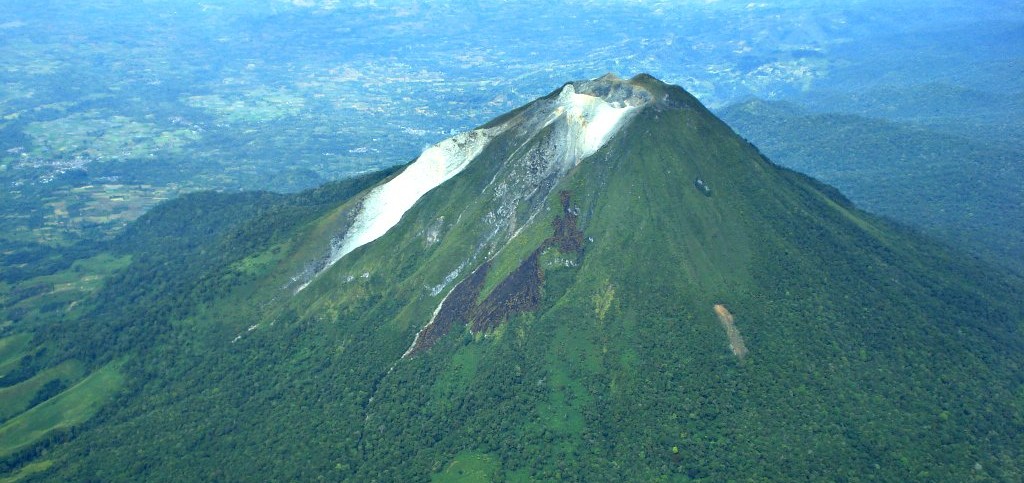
{"type": "Point", "coordinates": [16, 399]}
{"type": "Point", "coordinates": [71, 407]}
{"type": "Point", "coordinates": [874, 353]}
{"type": "Point", "coordinates": [12, 349]}
{"type": "Point", "coordinates": [469, 467]}
{"type": "Point", "coordinates": [27, 471]}
{"type": "Point", "coordinates": [256, 105]}
{"type": "Point", "coordinates": [957, 187]}
{"type": "Point", "coordinates": [92, 133]}
{"type": "Point", "coordinates": [37, 300]}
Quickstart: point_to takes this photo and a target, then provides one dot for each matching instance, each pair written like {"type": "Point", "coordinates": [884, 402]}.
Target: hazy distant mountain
{"type": "Point", "coordinates": [606, 283]}
{"type": "Point", "coordinates": [959, 188]}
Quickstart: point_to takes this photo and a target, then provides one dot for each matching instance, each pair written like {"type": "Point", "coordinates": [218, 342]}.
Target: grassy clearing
{"type": "Point", "coordinates": [72, 212]}
{"type": "Point", "coordinates": [119, 137]}
{"type": "Point", "coordinates": [469, 467]}
{"type": "Point", "coordinates": [65, 289]}
{"type": "Point", "coordinates": [16, 399]}
{"type": "Point", "coordinates": [258, 263]}
{"type": "Point", "coordinates": [458, 379]}
{"type": "Point", "coordinates": [73, 406]}
{"type": "Point", "coordinates": [27, 471]}
{"type": "Point", "coordinates": [85, 275]}
{"type": "Point", "coordinates": [12, 349]}
{"type": "Point", "coordinates": [255, 105]}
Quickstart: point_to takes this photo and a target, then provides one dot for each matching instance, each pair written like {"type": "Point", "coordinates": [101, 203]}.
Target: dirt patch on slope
{"type": "Point", "coordinates": [567, 237]}
{"type": "Point", "coordinates": [739, 348]}
{"type": "Point", "coordinates": [456, 309]}
{"type": "Point", "coordinates": [519, 292]}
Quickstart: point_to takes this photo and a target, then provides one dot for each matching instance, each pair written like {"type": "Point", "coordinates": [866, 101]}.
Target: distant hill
{"type": "Point", "coordinates": [604, 284]}
{"type": "Point", "coordinates": [981, 116]}
{"type": "Point", "coordinates": [964, 191]}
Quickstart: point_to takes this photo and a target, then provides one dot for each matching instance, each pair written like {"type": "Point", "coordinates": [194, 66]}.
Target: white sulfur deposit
{"type": "Point", "coordinates": [588, 114]}
{"type": "Point", "coordinates": [384, 206]}
{"type": "Point", "coordinates": [592, 120]}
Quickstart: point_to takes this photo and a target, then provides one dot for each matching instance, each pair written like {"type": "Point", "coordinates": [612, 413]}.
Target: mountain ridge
{"type": "Point", "coordinates": [954, 187]}
{"type": "Point", "coordinates": [606, 318]}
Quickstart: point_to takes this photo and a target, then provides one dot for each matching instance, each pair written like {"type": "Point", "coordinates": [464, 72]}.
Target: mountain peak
{"type": "Point", "coordinates": [612, 89]}
{"type": "Point", "coordinates": [552, 135]}
{"type": "Point", "coordinates": [607, 281]}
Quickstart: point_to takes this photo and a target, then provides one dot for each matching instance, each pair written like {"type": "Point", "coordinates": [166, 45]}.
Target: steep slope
{"type": "Point", "coordinates": [610, 284]}
{"type": "Point", "coordinates": [538, 145]}
{"type": "Point", "coordinates": [953, 186]}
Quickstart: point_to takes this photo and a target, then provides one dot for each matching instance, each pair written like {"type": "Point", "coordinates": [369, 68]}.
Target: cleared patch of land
{"type": "Point", "coordinates": [12, 348]}
{"type": "Point", "coordinates": [469, 467]}
{"type": "Point", "coordinates": [739, 348]}
{"type": "Point", "coordinates": [28, 470]}
{"type": "Point", "coordinates": [69, 408]}
{"type": "Point", "coordinates": [16, 399]}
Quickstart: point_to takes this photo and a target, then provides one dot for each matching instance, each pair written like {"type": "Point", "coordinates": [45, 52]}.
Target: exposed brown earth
{"type": "Point", "coordinates": [519, 292]}
{"type": "Point", "coordinates": [455, 310]}
{"type": "Point", "coordinates": [739, 348]}
{"type": "Point", "coordinates": [567, 237]}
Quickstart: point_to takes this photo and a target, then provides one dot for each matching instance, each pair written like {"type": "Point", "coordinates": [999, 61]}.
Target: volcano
{"type": "Point", "coordinates": [606, 283]}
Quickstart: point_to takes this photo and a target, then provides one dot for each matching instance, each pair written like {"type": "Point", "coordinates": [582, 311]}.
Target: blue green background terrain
{"type": "Point", "coordinates": [108, 107]}
{"type": "Point", "coordinates": [115, 315]}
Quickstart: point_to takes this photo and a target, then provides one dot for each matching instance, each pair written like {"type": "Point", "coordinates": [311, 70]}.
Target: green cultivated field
{"type": "Point", "coordinates": [16, 399]}
{"type": "Point", "coordinates": [71, 407]}
{"type": "Point", "coordinates": [12, 348]}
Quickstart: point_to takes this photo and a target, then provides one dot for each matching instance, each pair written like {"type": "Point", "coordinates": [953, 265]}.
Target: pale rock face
{"type": "Point", "coordinates": [591, 113]}
{"type": "Point", "coordinates": [592, 121]}
{"type": "Point", "coordinates": [553, 135]}
{"type": "Point", "coordinates": [384, 206]}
